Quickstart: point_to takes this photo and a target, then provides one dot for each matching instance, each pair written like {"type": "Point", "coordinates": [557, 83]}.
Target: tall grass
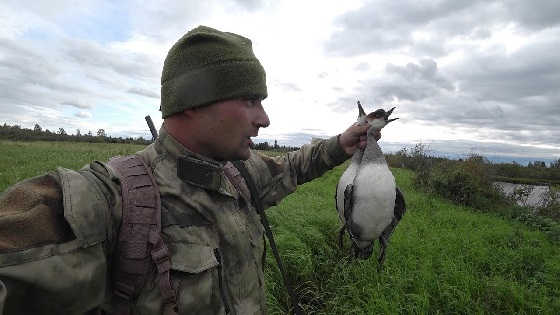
{"type": "Point", "coordinates": [21, 160]}
{"type": "Point", "coordinates": [443, 258]}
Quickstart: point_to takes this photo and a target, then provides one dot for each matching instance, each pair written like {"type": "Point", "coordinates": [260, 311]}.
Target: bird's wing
{"type": "Point", "coordinates": [400, 205]}
{"type": "Point", "coordinates": [336, 198]}
{"type": "Point", "coordinates": [399, 210]}
{"type": "Point", "coordinates": [348, 201]}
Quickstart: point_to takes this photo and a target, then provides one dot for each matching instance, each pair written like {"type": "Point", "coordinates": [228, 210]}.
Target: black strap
{"type": "Point", "coordinates": [257, 202]}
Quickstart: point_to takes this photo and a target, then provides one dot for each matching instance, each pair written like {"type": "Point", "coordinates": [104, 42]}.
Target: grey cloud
{"type": "Point", "coordinates": [87, 53]}
{"type": "Point", "coordinates": [362, 66]}
{"type": "Point", "coordinates": [412, 82]}
{"type": "Point", "coordinates": [535, 15]}
{"type": "Point", "coordinates": [250, 4]}
{"type": "Point", "coordinates": [389, 25]}
{"type": "Point", "coordinates": [168, 20]}
{"type": "Point", "coordinates": [143, 92]}
{"type": "Point", "coordinates": [290, 87]}
{"type": "Point", "coordinates": [76, 104]}
{"type": "Point", "coordinates": [27, 78]}
{"type": "Point", "coordinates": [83, 114]}
{"type": "Point", "coordinates": [511, 98]}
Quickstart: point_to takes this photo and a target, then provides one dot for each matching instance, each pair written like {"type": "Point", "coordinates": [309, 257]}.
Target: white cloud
{"type": "Point", "coordinates": [83, 114]}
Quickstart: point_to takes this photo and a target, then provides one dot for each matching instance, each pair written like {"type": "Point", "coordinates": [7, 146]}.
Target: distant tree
{"type": "Point", "coordinates": [101, 133]}
{"type": "Point", "coordinates": [536, 164]}
{"type": "Point", "coordinates": [555, 164]}
{"type": "Point", "coordinates": [90, 134]}
{"type": "Point", "coordinates": [78, 134]}
{"type": "Point", "coordinates": [37, 128]}
{"type": "Point", "coordinates": [61, 132]}
{"type": "Point", "coordinates": [275, 144]}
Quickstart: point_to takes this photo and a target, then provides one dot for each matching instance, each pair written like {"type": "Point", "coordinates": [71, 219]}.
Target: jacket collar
{"type": "Point", "coordinates": [193, 168]}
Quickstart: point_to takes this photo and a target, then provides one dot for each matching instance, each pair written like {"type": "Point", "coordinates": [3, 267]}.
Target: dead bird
{"type": "Point", "coordinates": [367, 200]}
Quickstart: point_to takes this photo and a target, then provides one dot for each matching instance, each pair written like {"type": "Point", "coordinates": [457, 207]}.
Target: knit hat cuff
{"type": "Point", "coordinates": [213, 83]}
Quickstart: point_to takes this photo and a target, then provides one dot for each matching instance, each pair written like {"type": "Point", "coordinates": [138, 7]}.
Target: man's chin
{"type": "Point", "coordinates": [240, 155]}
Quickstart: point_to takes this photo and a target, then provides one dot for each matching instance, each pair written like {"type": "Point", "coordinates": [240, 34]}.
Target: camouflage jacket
{"type": "Point", "coordinates": [58, 232]}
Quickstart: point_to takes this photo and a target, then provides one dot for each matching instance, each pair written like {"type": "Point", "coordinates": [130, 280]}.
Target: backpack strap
{"type": "Point", "coordinates": [139, 245]}
{"type": "Point", "coordinates": [249, 183]}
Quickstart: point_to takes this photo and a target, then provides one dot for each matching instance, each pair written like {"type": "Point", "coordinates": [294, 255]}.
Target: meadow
{"type": "Point", "coordinates": [442, 258]}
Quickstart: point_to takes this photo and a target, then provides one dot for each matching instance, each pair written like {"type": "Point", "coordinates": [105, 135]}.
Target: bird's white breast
{"type": "Point", "coordinates": [374, 199]}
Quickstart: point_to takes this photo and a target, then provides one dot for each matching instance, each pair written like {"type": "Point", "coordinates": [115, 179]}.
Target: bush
{"type": "Point", "coordinates": [466, 182]}
{"type": "Point", "coordinates": [550, 207]}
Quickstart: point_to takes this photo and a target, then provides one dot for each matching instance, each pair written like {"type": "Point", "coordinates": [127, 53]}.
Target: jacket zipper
{"type": "Point", "coordinates": [221, 281]}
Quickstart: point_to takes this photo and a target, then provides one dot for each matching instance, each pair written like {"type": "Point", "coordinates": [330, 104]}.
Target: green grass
{"type": "Point", "coordinates": [21, 160]}
{"type": "Point", "coordinates": [442, 259]}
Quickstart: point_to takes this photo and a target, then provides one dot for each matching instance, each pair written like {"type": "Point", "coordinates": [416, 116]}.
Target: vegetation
{"type": "Point", "coordinates": [20, 160]}
{"type": "Point", "coordinates": [418, 158]}
{"type": "Point", "coordinates": [444, 257]}
{"type": "Point", "coordinates": [264, 146]}
{"type": "Point", "coordinates": [17, 133]}
{"type": "Point", "coordinates": [469, 182]}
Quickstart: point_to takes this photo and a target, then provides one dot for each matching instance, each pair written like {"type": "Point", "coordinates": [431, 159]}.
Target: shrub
{"type": "Point", "coordinates": [466, 182]}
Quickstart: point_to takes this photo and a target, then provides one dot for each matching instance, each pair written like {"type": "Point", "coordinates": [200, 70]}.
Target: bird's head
{"type": "Point", "coordinates": [380, 118]}
{"type": "Point", "coordinates": [377, 119]}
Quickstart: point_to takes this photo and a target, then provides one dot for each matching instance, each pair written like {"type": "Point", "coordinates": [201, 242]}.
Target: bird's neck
{"type": "Point", "coordinates": [357, 157]}
{"type": "Point", "coordinates": [372, 152]}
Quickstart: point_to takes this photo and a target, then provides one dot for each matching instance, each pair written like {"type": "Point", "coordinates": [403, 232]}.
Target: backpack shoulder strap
{"type": "Point", "coordinates": [140, 247]}
{"type": "Point", "coordinates": [264, 220]}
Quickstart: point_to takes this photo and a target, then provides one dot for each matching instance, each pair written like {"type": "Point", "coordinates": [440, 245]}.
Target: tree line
{"type": "Point", "coordinates": [265, 146]}
{"type": "Point", "coordinates": [18, 133]}
{"type": "Point", "coordinates": [418, 158]}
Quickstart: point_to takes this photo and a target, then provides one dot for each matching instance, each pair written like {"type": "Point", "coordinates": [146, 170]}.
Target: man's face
{"type": "Point", "coordinates": [226, 128]}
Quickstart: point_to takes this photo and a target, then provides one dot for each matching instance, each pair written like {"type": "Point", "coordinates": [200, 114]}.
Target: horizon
{"type": "Point", "coordinates": [387, 148]}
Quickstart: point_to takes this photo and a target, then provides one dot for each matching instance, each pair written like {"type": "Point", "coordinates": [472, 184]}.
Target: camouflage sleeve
{"type": "Point", "coordinates": [55, 231]}
{"type": "Point", "coordinates": [279, 176]}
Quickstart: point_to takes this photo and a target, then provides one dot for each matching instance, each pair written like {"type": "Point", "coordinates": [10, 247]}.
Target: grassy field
{"type": "Point", "coordinates": [442, 259]}
{"type": "Point", "coordinates": [20, 160]}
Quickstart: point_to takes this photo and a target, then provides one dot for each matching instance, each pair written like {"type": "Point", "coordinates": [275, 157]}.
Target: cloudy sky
{"type": "Point", "coordinates": [466, 76]}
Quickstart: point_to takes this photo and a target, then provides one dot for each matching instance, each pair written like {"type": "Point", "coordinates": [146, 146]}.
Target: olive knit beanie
{"type": "Point", "coordinates": [207, 66]}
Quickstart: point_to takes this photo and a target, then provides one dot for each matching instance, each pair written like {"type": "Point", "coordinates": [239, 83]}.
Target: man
{"type": "Point", "coordinates": [58, 232]}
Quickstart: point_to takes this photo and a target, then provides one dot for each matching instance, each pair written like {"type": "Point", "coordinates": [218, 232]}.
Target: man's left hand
{"type": "Point", "coordinates": [355, 138]}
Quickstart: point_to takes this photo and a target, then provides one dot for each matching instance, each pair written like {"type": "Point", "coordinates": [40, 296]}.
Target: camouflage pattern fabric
{"type": "Point", "coordinates": [213, 233]}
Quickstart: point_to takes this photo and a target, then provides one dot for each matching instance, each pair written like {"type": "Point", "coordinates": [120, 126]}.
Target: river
{"type": "Point", "coordinates": [534, 199]}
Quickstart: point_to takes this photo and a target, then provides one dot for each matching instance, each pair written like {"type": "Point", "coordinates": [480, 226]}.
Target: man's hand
{"type": "Point", "coordinates": [355, 138]}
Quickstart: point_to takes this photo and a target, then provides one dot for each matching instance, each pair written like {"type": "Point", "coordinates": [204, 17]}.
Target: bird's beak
{"type": "Point", "coordinates": [361, 111]}
{"type": "Point", "coordinates": [387, 114]}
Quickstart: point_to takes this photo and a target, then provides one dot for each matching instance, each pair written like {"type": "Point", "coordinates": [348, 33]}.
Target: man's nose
{"type": "Point", "coordinates": [262, 118]}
